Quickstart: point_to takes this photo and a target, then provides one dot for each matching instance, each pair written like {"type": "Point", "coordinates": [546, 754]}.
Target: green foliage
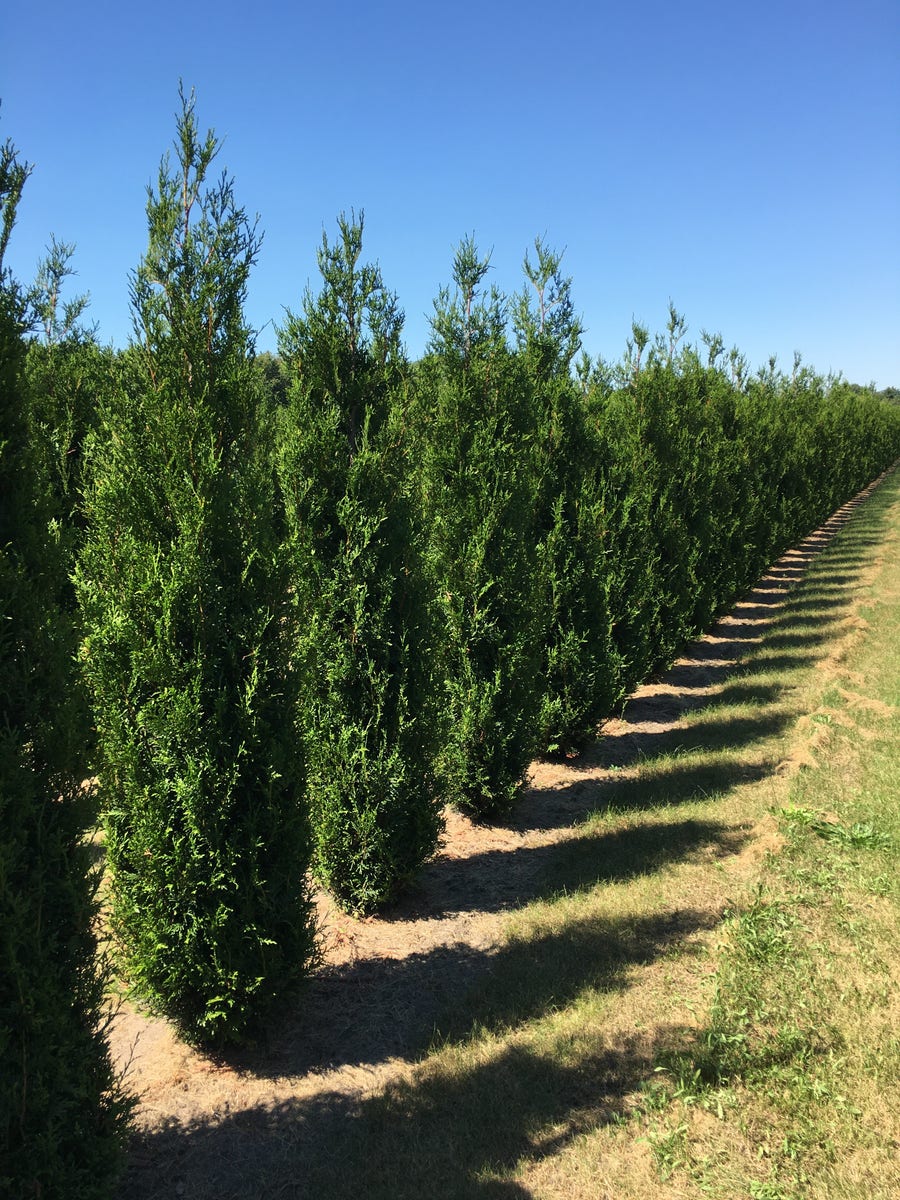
{"type": "Point", "coordinates": [66, 370]}
{"type": "Point", "coordinates": [190, 630]}
{"type": "Point", "coordinates": [273, 375]}
{"type": "Point", "coordinates": [276, 541]}
{"type": "Point", "coordinates": [579, 677]}
{"type": "Point", "coordinates": [370, 714]}
{"type": "Point", "coordinates": [707, 476]}
{"type": "Point", "coordinates": [479, 470]}
{"type": "Point", "coordinates": [63, 1117]}
{"type": "Point", "coordinates": [64, 383]}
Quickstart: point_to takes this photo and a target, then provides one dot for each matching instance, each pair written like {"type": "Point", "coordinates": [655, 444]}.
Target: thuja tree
{"type": "Point", "coordinates": [681, 412]}
{"type": "Point", "coordinates": [62, 1115]}
{"type": "Point", "coordinates": [578, 669]}
{"type": "Point", "coordinates": [624, 475]}
{"type": "Point", "coordinates": [370, 714]}
{"type": "Point", "coordinates": [478, 468]}
{"type": "Point", "coordinates": [819, 448]}
{"type": "Point", "coordinates": [876, 422]}
{"type": "Point", "coordinates": [668, 488]}
{"type": "Point", "coordinates": [190, 630]}
{"type": "Point", "coordinates": [66, 370]}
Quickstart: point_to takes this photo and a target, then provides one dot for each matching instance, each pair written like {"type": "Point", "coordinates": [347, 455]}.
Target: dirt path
{"type": "Point", "coordinates": [371, 1009]}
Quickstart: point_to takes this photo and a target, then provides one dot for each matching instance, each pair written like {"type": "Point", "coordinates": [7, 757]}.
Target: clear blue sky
{"type": "Point", "coordinates": [740, 159]}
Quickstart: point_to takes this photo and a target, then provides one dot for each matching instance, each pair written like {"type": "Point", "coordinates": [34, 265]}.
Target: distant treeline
{"type": "Point", "coordinates": [286, 608]}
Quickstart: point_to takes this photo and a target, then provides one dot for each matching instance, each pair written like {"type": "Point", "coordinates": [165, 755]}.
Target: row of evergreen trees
{"type": "Point", "coordinates": [318, 597]}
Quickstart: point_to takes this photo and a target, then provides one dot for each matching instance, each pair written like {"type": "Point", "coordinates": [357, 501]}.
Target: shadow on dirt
{"type": "Point", "coordinates": [582, 860]}
{"type": "Point", "coordinates": [728, 733]}
{"type": "Point", "coordinates": [441, 1134]}
{"type": "Point", "coordinates": [375, 1008]}
{"type": "Point", "coordinates": [662, 785]}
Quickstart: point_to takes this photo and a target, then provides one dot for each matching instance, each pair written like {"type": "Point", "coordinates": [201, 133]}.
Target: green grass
{"type": "Point", "coordinates": [801, 1055]}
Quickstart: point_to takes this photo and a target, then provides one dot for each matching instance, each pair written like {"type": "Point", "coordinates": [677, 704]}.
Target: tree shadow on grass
{"type": "Point", "coordinates": [738, 692]}
{"type": "Point", "coordinates": [848, 560]}
{"type": "Point", "coordinates": [446, 1130]}
{"type": "Point", "coordinates": [665, 707]}
{"type": "Point", "coordinates": [818, 623]}
{"type": "Point", "coordinates": [846, 578]}
{"type": "Point", "coordinates": [503, 880]}
{"type": "Point", "coordinates": [728, 733]}
{"type": "Point", "coordinates": [819, 600]}
{"type": "Point", "coordinates": [793, 638]}
{"type": "Point", "coordinates": [639, 850]}
{"type": "Point", "coordinates": [766, 661]}
{"type": "Point", "coordinates": [444, 1138]}
{"type": "Point", "coordinates": [703, 675]}
{"type": "Point", "coordinates": [538, 974]}
{"type": "Point", "coordinates": [663, 784]}
{"type": "Point", "coordinates": [377, 1008]}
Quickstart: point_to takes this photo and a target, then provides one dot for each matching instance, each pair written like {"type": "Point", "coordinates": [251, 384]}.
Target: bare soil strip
{"type": "Point", "coordinates": [385, 981]}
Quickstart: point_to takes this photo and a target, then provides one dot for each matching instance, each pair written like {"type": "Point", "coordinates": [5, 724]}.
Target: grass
{"type": "Point", "coordinates": [800, 1058]}
{"type": "Point", "coordinates": [701, 998]}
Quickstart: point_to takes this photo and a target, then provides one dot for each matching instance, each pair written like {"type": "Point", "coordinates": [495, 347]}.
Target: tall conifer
{"type": "Point", "coordinates": [62, 1113]}
{"type": "Point", "coordinates": [190, 626]}
{"type": "Point", "coordinates": [66, 370]}
{"type": "Point", "coordinates": [578, 668]}
{"type": "Point", "coordinates": [478, 466]}
{"type": "Point", "coordinates": [370, 715]}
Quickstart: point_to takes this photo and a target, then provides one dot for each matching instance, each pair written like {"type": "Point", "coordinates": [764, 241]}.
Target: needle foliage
{"type": "Point", "coordinates": [370, 715]}
{"type": "Point", "coordinates": [63, 1116]}
{"type": "Point", "coordinates": [190, 630]}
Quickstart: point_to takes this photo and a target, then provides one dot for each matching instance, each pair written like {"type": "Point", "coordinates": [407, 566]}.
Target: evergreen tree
{"type": "Point", "coordinates": [62, 1114]}
{"type": "Point", "coordinates": [190, 630]}
{"type": "Point", "coordinates": [625, 474]}
{"type": "Point", "coordinates": [66, 371]}
{"type": "Point", "coordinates": [370, 714]}
{"type": "Point", "coordinates": [578, 667]}
{"type": "Point", "coordinates": [478, 465]}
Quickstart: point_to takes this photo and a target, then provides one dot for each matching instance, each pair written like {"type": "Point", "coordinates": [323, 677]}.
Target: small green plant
{"type": "Point", "coordinates": [762, 932]}
{"type": "Point", "coordinates": [768, 1191]}
{"type": "Point", "coordinates": [670, 1149]}
{"type": "Point", "coordinates": [861, 835]}
{"type": "Point", "coordinates": [805, 817]}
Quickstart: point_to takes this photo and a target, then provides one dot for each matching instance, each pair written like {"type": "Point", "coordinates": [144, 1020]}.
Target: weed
{"type": "Point", "coordinates": [762, 933]}
{"type": "Point", "coordinates": [861, 835]}
{"type": "Point", "coordinates": [768, 1191]}
{"type": "Point", "coordinates": [798, 815]}
{"type": "Point", "coordinates": [670, 1149]}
